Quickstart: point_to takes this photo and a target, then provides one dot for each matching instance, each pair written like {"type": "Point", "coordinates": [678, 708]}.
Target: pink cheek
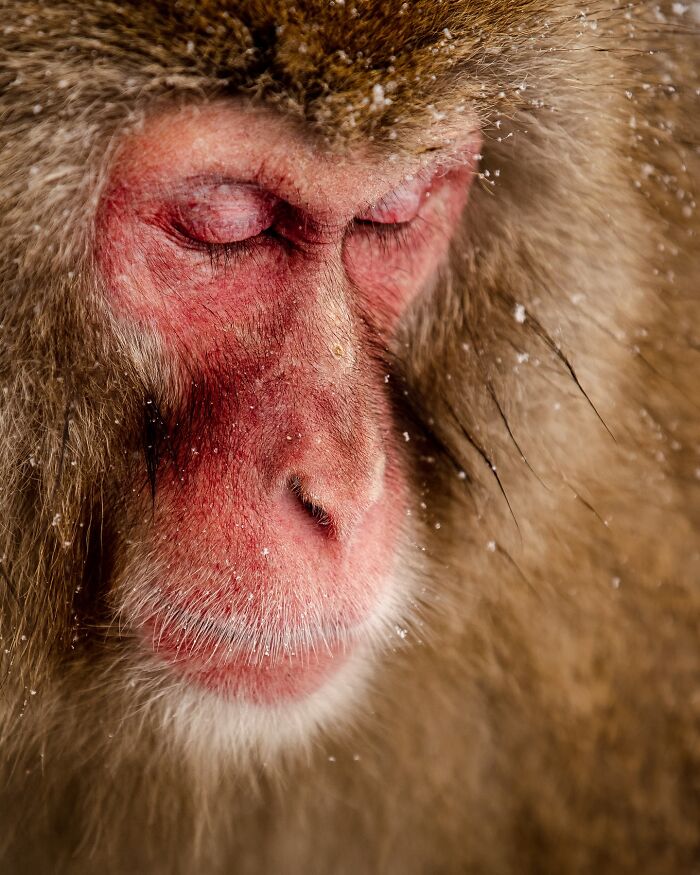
{"type": "Point", "coordinates": [391, 272]}
{"type": "Point", "coordinates": [389, 281]}
{"type": "Point", "coordinates": [191, 299]}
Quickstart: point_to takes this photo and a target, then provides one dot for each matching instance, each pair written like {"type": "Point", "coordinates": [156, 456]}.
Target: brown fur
{"type": "Point", "coordinates": [546, 715]}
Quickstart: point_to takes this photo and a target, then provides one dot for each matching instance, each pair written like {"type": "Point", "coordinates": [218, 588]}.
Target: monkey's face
{"type": "Point", "coordinates": [269, 276]}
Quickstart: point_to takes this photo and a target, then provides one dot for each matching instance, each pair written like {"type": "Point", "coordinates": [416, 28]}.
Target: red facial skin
{"type": "Point", "coordinates": [268, 270]}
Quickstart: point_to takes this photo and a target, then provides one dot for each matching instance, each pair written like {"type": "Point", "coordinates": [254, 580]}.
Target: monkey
{"type": "Point", "coordinates": [350, 438]}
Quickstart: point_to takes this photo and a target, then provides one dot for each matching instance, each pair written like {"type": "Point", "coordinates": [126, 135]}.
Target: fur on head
{"type": "Point", "coordinates": [549, 380]}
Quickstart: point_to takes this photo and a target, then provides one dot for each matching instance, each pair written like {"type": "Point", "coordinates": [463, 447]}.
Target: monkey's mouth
{"type": "Point", "coordinates": [261, 672]}
{"type": "Point", "coordinates": [260, 573]}
{"type": "Point", "coordinates": [284, 655]}
{"type": "Point", "coordinates": [271, 618]}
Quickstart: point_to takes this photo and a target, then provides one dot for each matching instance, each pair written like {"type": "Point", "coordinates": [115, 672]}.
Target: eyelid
{"type": "Point", "coordinates": [399, 206]}
{"type": "Point", "coordinates": [224, 213]}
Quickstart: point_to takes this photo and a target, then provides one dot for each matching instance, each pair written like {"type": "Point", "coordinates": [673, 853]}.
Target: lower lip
{"type": "Point", "coordinates": [258, 678]}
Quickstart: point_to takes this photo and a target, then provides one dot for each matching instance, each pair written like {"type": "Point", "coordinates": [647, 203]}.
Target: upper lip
{"type": "Point", "coordinates": [234, 637]}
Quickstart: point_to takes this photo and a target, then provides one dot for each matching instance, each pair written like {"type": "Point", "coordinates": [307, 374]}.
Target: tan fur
{"type": "Point", "coordinates": [545, 715]}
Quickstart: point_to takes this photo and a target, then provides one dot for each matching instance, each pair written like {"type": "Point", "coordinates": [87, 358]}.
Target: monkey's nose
{"type": "Point", "coordinates": [312, 507]}
{"type": "Point", "coordinates": [332, 507]}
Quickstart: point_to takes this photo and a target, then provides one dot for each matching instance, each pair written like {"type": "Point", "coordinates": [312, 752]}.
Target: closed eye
{"type": "Point", "coordinates": [225, 255]}
{"type": "Point", "coordinates": [399, 206]}
{"type": "Point", "coordinates": [388, 238]}
{"type": "Point", "coordinates": [223, 213]}
{"type": "Point", "coordinates": [383, 228]}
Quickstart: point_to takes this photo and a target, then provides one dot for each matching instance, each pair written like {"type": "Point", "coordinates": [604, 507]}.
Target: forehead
{"type": "Point", "coordinates": [239, 142]}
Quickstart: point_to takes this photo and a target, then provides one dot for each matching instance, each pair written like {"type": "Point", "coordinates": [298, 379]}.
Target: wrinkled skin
{"type": "Point", "coordinates": [252, 272]}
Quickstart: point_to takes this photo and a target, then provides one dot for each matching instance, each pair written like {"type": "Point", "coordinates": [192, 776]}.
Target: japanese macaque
{"type": "Point", "coordinates": [349, 455]}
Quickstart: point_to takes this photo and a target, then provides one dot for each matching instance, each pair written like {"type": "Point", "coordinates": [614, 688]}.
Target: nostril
{"type": "Point", "coordinates": [311, 508]}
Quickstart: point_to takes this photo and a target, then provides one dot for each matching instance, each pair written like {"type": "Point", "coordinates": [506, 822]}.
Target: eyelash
{"type": "Point", "coordinates": [224, 252]}
{"type": "Point", "coordinates": [388, 236]}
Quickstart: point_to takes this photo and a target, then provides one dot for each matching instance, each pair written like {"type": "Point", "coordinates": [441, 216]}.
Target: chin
{"type": "Point", "coordinates": [208, 723]}
{"type": "Point", "coordinates": [221, 688]}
